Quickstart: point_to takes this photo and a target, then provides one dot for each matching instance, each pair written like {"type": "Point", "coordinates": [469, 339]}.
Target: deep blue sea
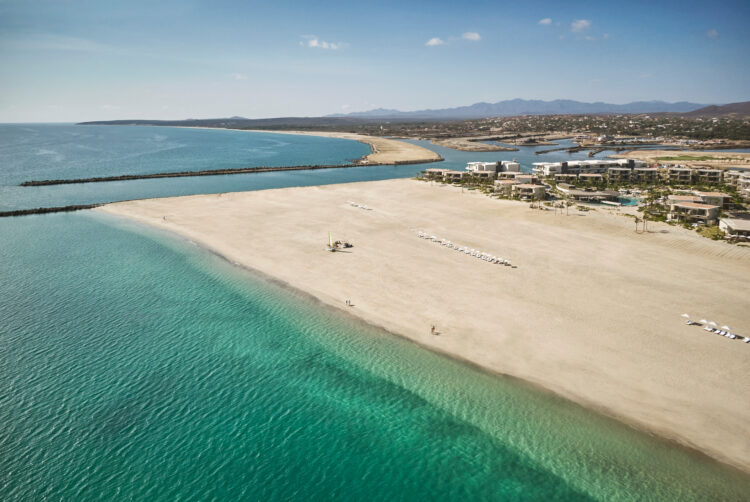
{"type": "Point", "coordinates": [137, 366]}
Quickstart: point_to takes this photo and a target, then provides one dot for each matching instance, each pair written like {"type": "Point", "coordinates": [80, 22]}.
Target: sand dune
{"type": "Point", "coordinates": [592, 310]}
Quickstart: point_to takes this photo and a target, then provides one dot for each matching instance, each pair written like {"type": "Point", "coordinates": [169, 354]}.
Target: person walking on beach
{"type": "Point", "coordinates": [432, 330]}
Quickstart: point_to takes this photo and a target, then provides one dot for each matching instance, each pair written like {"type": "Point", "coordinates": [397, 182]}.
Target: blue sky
{"type": "Point", "coordinates": [88, 60]}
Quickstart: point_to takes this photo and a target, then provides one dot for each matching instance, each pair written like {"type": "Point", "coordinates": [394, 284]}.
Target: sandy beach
{"type": "Point", "coordinates": [591, 311]}
{"type": "Point", "coordinates": [384, 150]}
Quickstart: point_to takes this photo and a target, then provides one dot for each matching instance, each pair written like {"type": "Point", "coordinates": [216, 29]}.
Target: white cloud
{"type": "Point", "coordinates": [239, 76]}
{"type": "Point", "coordinates": [546, 20]}
{"type": "Point", "coordinates": [712, 34]}
{"type": "Point", "coordinates": [315, 43]}
{"type": "Point", "coordinates": [589, 38]}
{"type": "Point", "coordinates": [471, 35]}
{"type": "Point", "coordinates": [605, 36]}
{"type": "Point", "coordinates": [580, 25]}
{"type": "Point", "coordinates": [434, 42]}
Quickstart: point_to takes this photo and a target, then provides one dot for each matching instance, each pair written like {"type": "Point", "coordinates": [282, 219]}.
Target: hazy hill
{"type": "Point", "coordinates": [514, 107]}
{"type": "Point", "coordinates": [732, 109]}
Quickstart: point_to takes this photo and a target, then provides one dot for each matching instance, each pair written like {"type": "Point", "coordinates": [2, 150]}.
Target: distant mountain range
{"type": "Point", "coordinates": [514, 107]}
{"type": "Point", "coordinates": [511, 107]}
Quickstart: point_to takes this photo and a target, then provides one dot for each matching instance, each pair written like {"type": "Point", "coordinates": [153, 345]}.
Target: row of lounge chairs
{"type": "Point", "coordinates": [361, 206]}
{"type": "Point", "coordinates": [712, 327]}
{"type": "Point", "coordinates": [466, 250]}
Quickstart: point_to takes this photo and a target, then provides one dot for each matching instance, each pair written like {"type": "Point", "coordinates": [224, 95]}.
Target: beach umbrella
{"type": "Point", "coordinates": [686, 316]}
{"type": "Point", "coordinates": [703, 321]}
{"type": "Point", "coordinates": [726, 328]}
{"type": "Point", "coordinates": [712, 323]}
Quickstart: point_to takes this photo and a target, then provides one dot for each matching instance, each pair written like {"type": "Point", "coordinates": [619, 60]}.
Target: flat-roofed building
{"type": "Point", "coordinates": [595, 178]}
{"type": "Point", "coordinates": [645, 175]}
{"type": "Point", "coordinates": [566, 178]}
{"type": "Point", "coordinates": [593, 166]}
{"type": "Point", "coordinates": [588, 195]}
{"type": "Point", "coordinates": [618, 174]}
{"type": "Point", "coordinates": [731, 176]}
{"type": "Point", "coordinates": [473, 167]}
{"type": "Point", "coordinates": [683, 175]}
{"type": "Point", "coordinates": [715, 198]}
{"type": "Point", "coordinates": [483, 175]}
{"type": "Point", "coordinates": [505, 186]}
{"type": "Point", "coordinates": [693, 212]}
{"type": "Point", "coordinates": [454, 175]}
{"type": "Point", "coordinates": [736, 227]}
{"type": "Point", "coordinates": [528, 191]}
{"type": "Point", "coordinates": [509, 166]}
{"type": "Point", "coordinates": [709, 176]}
{"type": "Point", "coordinates": [683, 198]}
{"type": "Point", "coordinates": [434, 173]}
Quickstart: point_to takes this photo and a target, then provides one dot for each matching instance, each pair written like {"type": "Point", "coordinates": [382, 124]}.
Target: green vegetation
{"type": "Point", "coordinates": [690, 157]}
{"type": "Point", "coordinates": [712, 232]}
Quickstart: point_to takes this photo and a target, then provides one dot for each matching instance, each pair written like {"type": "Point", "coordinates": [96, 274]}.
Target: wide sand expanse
{"type": "Point", "coordinates": [591, 311]}
{"type": "Point", "coordinates": [384, 150]}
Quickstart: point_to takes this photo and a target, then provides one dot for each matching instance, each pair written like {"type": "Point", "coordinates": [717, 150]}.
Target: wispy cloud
{"type": "Point", "coordinates": [580, 25]}
{"type": "Point", "coordinates": [471, 35]}
{"type": "Point", "coordinates": [712, 34]}
{"type": "Point", "coordinates": [315, 43]}
{"type": "Point", "coordinates": [239, 76]}
{"type": "Point", "coordinates": [433, 42]}
{"type": "Point", "coordinates": [546, 20]}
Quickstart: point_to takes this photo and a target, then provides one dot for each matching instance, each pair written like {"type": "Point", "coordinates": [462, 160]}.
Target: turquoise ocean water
{"type": "Point", "coordinates": [137, 366]}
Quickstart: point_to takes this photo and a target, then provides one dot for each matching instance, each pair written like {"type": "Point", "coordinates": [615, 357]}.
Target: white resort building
{"type": "Point", "coordinates": [548, 169]}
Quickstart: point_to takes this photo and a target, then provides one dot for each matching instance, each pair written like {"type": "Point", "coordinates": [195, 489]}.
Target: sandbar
{"type": "Point", "coordinates": [591, 311]}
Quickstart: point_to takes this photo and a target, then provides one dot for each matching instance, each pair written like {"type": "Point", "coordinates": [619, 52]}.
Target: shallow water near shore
{"type": "Point", "coordinates": [136, 365]}
{"type": "Point", "coordinates": [139, 366]}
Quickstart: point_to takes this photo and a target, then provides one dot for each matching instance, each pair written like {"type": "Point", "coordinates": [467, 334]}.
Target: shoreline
{"type": "Point", "coordinates": [666, 439]}
{"type": "Point", "coordinates": [383, 151]}
{"type": "Point", "coordinates": [229, 252]}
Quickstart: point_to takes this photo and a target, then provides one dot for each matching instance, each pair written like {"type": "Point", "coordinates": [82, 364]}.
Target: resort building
{"type": "Point", "coordinates": [715, 198]}
{"type": "Point", "coordinates": [693, 212]}
{"type": "Point", "coordinates": [505, 187]}
{"type": "Point", "coordinates": [618, 174]}
{"type": "Point", "coordinates": [548, 169]}
{"type": "Point", "coordinates": [474, 167]}
{"type": "Point", "coordinates": [645, 175]}
{"type": "Point", "coordinates": [736, 227]}
{"type": "Point", "coordinates": [591, 178]}
{"type": "Point", "coordinates": [676, 199]}
{"type": "Point", "coordinates": [679, 174]}
{"type": "Point", "coordinates": [566, 178]}
{"type": "Point", "coordinates": [483, 175]}
{"type": "Point", "coordinates": [454, 175]}
{"type": "Point", "coordinates": [434, 173]}
{"type": "Point", "coordinates": [588, 195]}
{"type": "Point", "coordinates": [527, 191]}
{"type": "Point", "coordinates": [709, 176]}
{"type": "Point", "coordinates": [739, 179]}
{"type": "Point", "coordinates": [495, 167]}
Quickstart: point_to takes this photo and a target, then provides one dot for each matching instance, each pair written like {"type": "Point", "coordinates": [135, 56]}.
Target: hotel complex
{"type": "Point", "coordinates": [587, 180]}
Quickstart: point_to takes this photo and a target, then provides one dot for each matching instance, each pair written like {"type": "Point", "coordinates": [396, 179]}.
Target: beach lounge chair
{"type": "Point", "coordinates": [746, 340]}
